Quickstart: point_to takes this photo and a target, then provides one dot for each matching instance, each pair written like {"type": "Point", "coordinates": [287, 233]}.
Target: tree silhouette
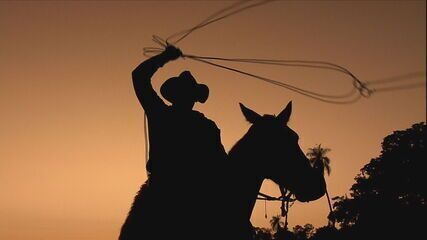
{"type": "Point", "coordinates": [303, 232]}
{"type": "Point", "coordinates": [326, 233]}
{"type": "Point", "coordinates": [276, 222]}
{"type": "Point", "coordinates": [262, 234]}
{"type": "Point", "coordinates": [279, 229]}
{"type": "Point", "coordinates": [389, 198]}
{"type": "Point", "coordinates": [319, 160]}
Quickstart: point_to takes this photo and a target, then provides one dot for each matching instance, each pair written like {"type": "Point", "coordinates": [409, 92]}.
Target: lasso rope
{"type": "Point", "coordinates": [225, 12]}
{"type": "Point", "coordinates": [363, 88]}
{"type": "Point", "coordinates": [346, 98]}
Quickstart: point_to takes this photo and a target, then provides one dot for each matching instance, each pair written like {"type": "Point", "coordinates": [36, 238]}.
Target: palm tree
{"type": "Point", "coordinates": [319, 160]}
{"type": "Point", "coordinates": [276, 222]}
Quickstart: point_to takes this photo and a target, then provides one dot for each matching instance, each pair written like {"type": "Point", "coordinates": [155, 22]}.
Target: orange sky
{"type": "Point", "coordinates": [72, 145]}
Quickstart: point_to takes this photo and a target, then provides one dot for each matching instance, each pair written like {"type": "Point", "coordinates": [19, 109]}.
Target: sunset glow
{"type": "Point", "coordinates": [72, 151]}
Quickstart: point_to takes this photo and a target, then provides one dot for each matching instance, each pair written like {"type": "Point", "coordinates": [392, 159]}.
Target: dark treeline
{"type": "Point", "coordinates": [387, 200]}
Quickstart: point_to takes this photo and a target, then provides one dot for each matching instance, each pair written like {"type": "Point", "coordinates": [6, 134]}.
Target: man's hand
{"type": "Point", "coordinates": [172, 52]}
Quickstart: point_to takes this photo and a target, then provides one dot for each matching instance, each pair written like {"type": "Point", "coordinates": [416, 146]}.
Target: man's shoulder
{"type": "Point", "coordinates": [202, 117]}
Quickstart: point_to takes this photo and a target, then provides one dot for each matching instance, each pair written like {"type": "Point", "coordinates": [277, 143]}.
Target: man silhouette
{"type": "Point", "coordinates": [185, 146]}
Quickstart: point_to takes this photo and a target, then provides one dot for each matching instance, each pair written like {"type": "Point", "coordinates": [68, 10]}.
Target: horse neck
{"type": "Point", "coordinates": [246, 177]}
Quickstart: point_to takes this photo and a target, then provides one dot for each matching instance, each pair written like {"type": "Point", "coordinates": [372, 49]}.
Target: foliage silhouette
{"type": "Point", "coordinates": [389, 197]}
{"type": "Point", "coordinates": [318, 159]}
{"type": "Point", "coordinates": [284, 234]}
{"type": "Point", "coordinates": [327, 233]}
{"type": "Point", "coordinates": [262, 234]}
{"type": "Point", "coordinates": [303, 232]}
{"type": "Point", "coordinates": [276, 223]}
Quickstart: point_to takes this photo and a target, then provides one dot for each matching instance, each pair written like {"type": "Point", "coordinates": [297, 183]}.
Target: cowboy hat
{"type": "Point", "coordinates": [184, 87]}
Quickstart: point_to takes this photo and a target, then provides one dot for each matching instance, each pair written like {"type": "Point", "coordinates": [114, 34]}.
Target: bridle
{"type": "Point", "coordinates": [285, 199]}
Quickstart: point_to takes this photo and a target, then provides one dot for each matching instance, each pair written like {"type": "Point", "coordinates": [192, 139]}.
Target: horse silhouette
{"type": "Point", "coordinates": [269, 150]}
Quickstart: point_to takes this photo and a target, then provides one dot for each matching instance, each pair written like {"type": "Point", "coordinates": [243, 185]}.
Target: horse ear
{"type": "Point", "coordinates": [250, 115]}
{"type": "Point", "coordinates": [286, 113]}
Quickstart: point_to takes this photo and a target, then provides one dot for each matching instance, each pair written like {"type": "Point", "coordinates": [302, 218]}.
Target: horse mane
{"type": "Point", "coordinates": [240, 146]}
{"type": "Point", "coordinates": [248, 139]}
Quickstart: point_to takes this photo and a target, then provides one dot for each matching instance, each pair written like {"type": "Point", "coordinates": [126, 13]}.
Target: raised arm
{"type": "Point", "coordinates": [142, 75]}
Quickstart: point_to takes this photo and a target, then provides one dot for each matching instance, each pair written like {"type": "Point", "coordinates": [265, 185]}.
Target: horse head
{"type": "Point", "coordinates": [280, 157]}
